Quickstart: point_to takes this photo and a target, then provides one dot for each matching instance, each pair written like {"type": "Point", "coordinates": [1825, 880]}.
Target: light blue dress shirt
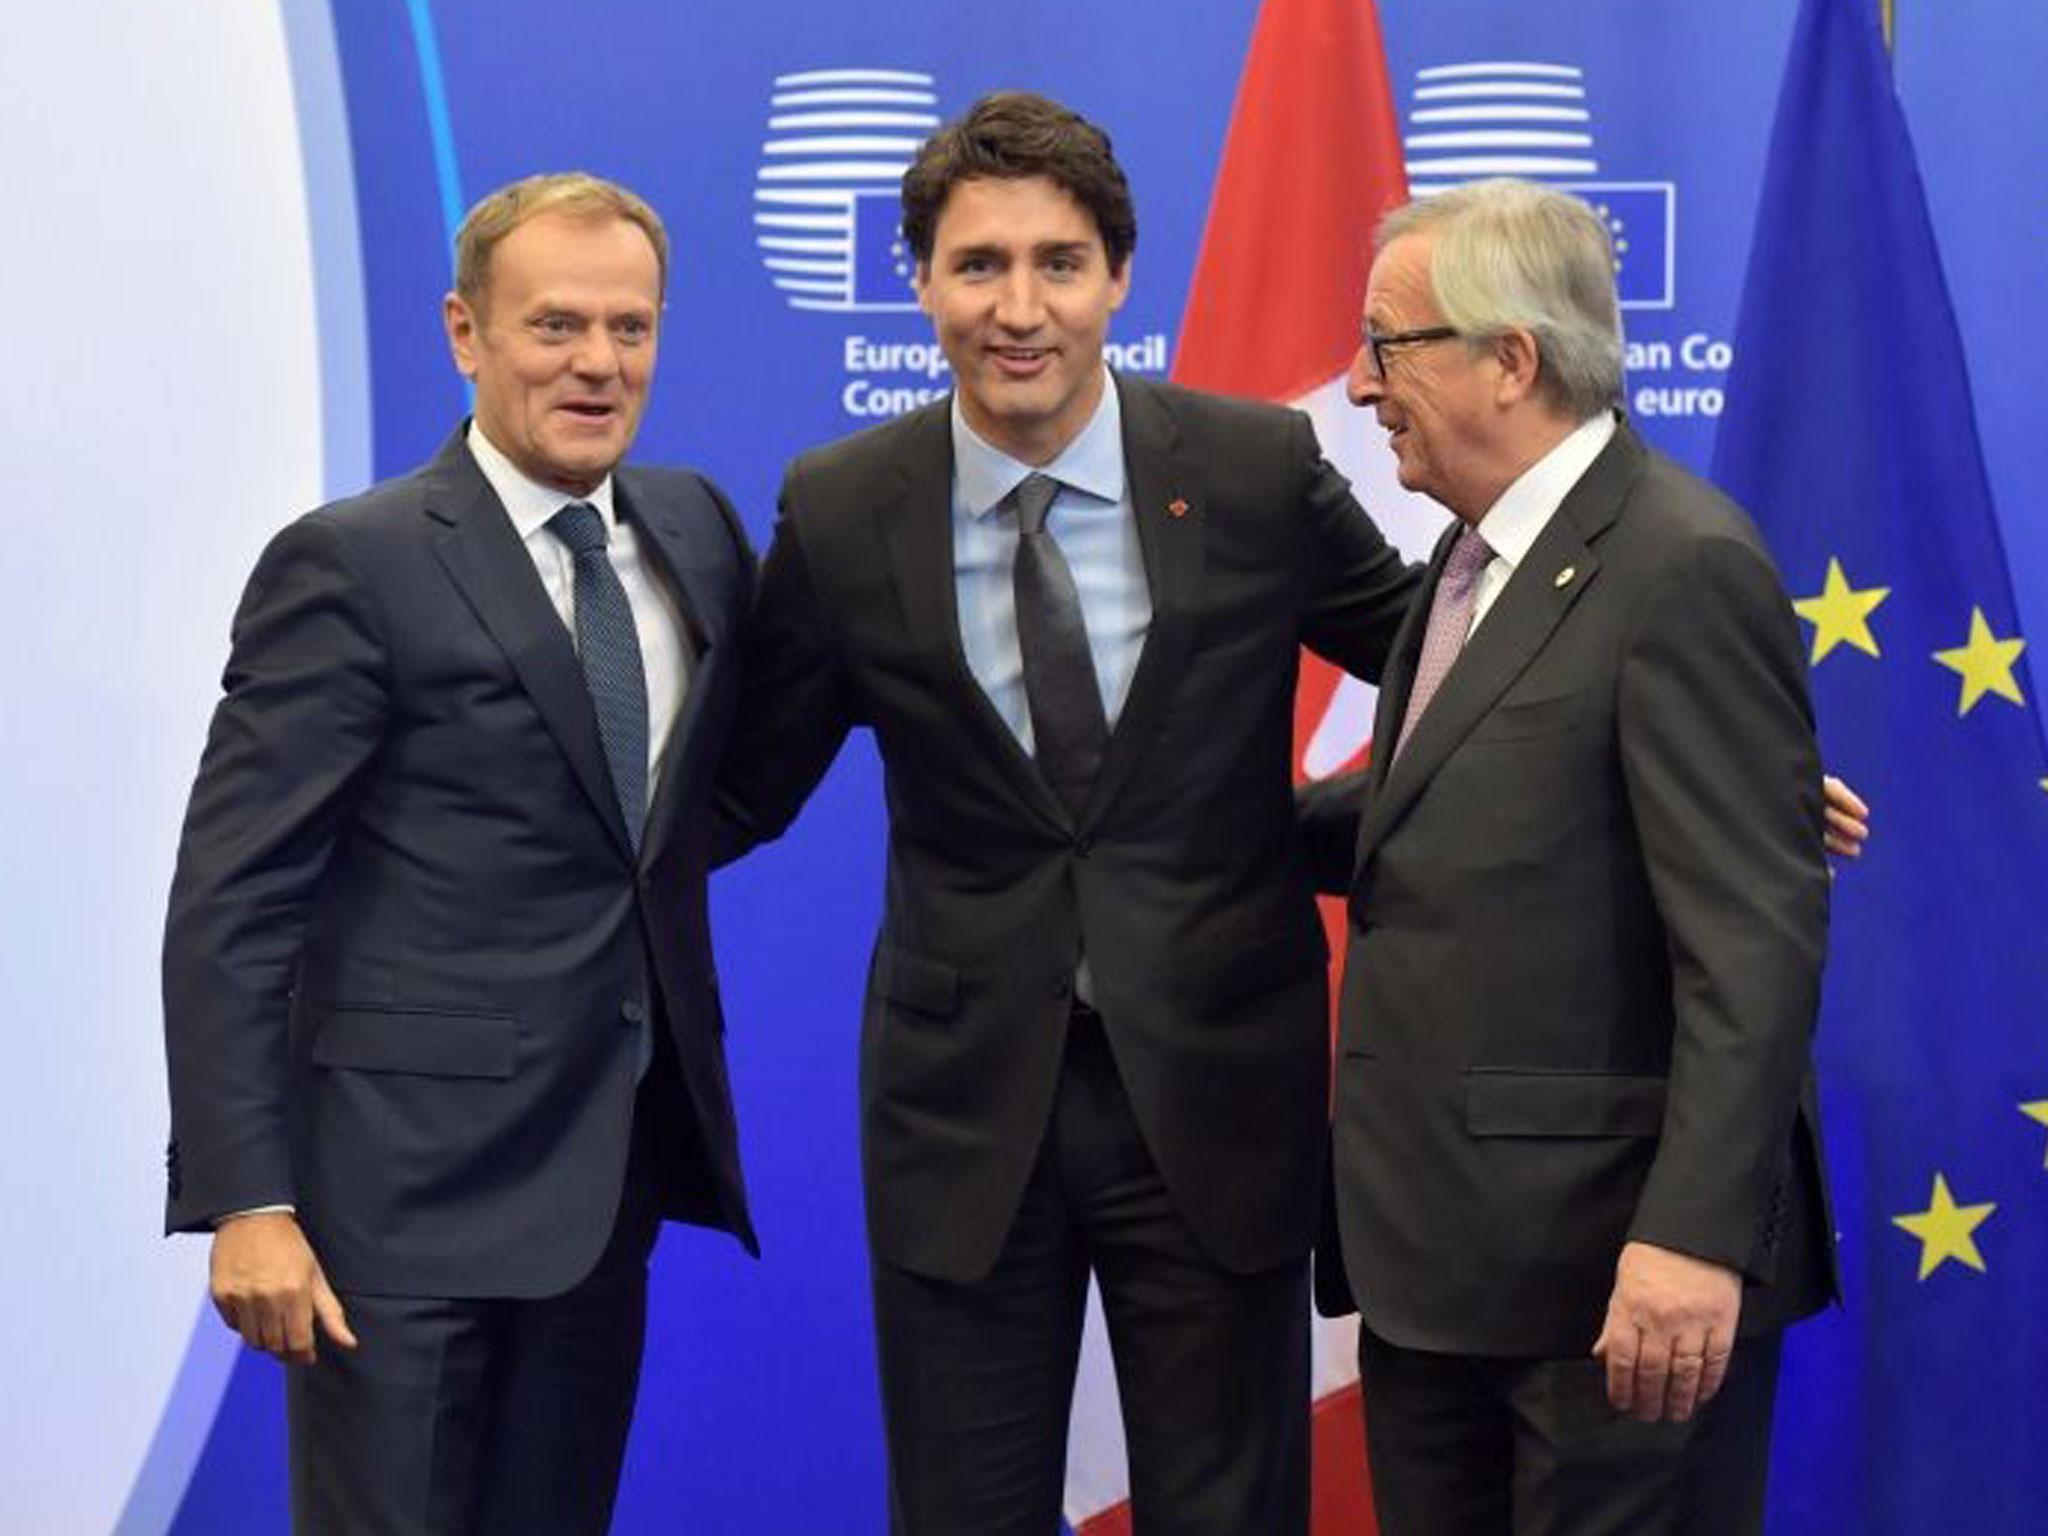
{"type": "Point", "coordinates": [1092, 521]}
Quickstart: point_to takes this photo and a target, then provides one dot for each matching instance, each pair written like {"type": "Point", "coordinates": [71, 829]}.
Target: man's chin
{"type": "Point", "coordinates": [1016, 399]}
{"type": "Point", "coordinates": [584, 464]}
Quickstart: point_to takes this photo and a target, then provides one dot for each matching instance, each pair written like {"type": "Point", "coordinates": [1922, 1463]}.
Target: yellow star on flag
{"type": "Point", "coordinates": [1944, 1230]}
{"type": "Point", "coordinates": [1841, 614]}
{"type": "Point", "coordinates": [2037, 1109]}
{"type": "Point", "coordinates": [1985, 664]}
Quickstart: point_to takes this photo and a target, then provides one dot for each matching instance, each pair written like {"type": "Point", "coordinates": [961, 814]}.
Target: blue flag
{"type": "Point", "coordinates": [1921, 1406]}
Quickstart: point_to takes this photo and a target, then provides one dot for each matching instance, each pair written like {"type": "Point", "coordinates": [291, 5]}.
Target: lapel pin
{"type": "Point", "coordinates": [1177, 507]}
{"type": "Point", "coordinates": [1564, 577]}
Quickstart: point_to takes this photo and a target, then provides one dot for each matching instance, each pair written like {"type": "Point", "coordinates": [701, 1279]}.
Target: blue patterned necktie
{"type": "Point", "coordinates": [610, 651]}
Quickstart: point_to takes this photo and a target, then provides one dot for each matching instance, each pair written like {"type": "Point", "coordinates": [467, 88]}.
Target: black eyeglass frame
{"type": "Point", "coordinates": [1377, 345]}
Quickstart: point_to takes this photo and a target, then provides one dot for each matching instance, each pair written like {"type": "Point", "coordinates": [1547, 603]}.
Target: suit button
{"type": "Point", "coordinates": [1084, 847]}
{"type": "Point", "coordinates": [633, 1011]}
{"type": "Point", "coordinates": [1063, 986]}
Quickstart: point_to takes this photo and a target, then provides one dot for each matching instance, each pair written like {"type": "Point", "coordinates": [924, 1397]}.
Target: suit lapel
{"type": "Point", "coordinates": [695, 553]}
{"type": "Point", "coordinates": [685, 555]}
{"type": "Point", "coordinates": [916, 530]}
{"type": "Point", "coordinates": [1173, 546]}
{"type": "Point", "coordinates": [484, 557]}
{"type": "Point", "coordinates": [1521, 621]}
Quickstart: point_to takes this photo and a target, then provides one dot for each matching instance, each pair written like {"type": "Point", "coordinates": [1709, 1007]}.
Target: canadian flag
{"type": "Point", "coordinates": [1312, 160]}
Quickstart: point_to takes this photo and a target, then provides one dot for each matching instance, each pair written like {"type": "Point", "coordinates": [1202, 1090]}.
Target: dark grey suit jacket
{"type": "Point", "coordinates": [1588, 915]}
{"type": "Point", "coordinates": [410, 951]}
{"type": "Point", "coordinates": [1183, 881]}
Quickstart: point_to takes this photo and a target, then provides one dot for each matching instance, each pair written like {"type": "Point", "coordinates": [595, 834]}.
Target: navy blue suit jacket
{"type": "Point", "coordinates": [410, 952]}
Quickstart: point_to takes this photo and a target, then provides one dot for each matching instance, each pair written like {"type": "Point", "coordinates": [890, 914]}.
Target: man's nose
{"type": "Point", "coordinates": [1363, 385]}
{"type": "Point", "coordinates": [596, 355]}
{"type": "Point", "coordinates": [1020, 305]}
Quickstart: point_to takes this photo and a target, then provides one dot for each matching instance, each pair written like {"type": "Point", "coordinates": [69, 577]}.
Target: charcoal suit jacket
{"type": "Point", "coordinates": [1588, 915]}
{"type": "Point", "coordinates": [1183, 881]}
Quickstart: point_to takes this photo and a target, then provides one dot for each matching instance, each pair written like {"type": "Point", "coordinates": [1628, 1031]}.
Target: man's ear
{"type": "Point", "coordinates": [460, 321]}
{"type": "Point", "coordinates": [1521, 363]}
{"type": "Point", "coordinates": [1120, 281]}
{"type": "Point", "coordinates": [921, 280]}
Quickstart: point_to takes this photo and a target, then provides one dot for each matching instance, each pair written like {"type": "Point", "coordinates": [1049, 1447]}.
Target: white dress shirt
{"type": "Point", "coordinates": [1511, 524]}
{"type": "Point", "coordinates": [657, 617]}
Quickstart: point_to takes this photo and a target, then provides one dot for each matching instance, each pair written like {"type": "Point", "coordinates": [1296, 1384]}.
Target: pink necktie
{"type": "Point", "coordinates": [1450, 616]}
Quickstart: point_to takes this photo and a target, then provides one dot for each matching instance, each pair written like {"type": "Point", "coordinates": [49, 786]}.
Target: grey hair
{"type": "Point", "coordinates": [1511, 255]}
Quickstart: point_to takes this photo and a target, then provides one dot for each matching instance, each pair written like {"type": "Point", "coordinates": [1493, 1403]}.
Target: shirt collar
{"type": "Point", "coordinates": [526, 501]}
{"type": "Point", "coordinates": [1525, 508]}
{"type": "Point", "coordinates": [1093, 463]}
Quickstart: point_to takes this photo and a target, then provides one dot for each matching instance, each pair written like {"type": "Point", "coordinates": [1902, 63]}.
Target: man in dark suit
{"type": "Point", "coordinates": [1578, 1177]}
{"type": "Point", "coordinates": [443, 1031]}
{"type": "Point", "coordinates": [1096, 1035]}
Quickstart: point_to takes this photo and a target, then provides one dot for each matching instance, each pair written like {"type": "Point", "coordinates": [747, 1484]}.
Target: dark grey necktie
{"type": "Point", "coordinates": [1068, 726]}
{"type": "Point", "coordinates": [610, 651]}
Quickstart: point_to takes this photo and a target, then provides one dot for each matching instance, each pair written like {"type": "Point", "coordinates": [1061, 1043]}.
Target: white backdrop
{"type": "Point", "coordinates": [160, 414]}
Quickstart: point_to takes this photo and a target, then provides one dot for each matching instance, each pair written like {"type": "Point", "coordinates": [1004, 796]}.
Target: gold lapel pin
{"type": "Point", "coordinates": [1177, 507]}
{"type": "Point", "coordinates": [1564, 577]}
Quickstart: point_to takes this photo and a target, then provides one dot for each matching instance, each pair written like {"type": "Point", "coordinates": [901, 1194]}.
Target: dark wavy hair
{"type": "Point", "coordinates": [1010, 135]}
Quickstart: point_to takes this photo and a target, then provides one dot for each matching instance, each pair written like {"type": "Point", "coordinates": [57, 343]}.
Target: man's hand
{"type": "Point", "coordinates": [268, 1287]}
{"type": "Point", "coordinates": [1670, 1329]}
{"type": "Point", "coordinates": [1847, 825]}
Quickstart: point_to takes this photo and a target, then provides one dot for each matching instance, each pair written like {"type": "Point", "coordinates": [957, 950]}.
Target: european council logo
{"type": "Point", "coordinates": [1525, 119]}
{"type": "Point", "coordinates": [826, 202]}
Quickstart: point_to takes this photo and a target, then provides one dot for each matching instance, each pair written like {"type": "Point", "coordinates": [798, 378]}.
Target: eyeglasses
{"type": "Point", "coordinates": [1378, 346]}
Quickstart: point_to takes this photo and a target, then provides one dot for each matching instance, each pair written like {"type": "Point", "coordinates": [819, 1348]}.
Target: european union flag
{"type": "Point", "coordinates": [881, 260]}
{"type": "Point", "coordinates": [1919, 1407]}
{"type": "Point", "coordinates": [1640, 218]}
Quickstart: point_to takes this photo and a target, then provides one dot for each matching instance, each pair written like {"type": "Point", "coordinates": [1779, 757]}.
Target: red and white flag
{"type": "Point", "coordinates": [1312, 160]}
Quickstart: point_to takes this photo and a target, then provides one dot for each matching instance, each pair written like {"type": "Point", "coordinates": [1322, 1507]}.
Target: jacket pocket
{"type": "Point", "coordinates": [926, 986]}
{"type": "Point", "coordinates": [1504, 1103]}
{"type": "Point", "coordinates": [417, 1041]}
{"type": "Point", "coordinates": [1524, 718]}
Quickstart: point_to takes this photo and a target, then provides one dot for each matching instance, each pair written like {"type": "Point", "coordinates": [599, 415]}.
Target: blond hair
{"type": "Point", "coordinates": [571, 194]}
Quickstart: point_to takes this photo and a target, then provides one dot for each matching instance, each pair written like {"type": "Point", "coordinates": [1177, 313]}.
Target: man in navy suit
{"type": "Point", "coordinates": [444, 1035]}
